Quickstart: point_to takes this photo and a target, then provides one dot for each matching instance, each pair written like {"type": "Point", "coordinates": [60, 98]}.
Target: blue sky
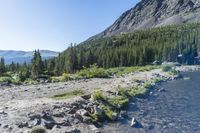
{"type": "Point", "coordinates": [54, 24]}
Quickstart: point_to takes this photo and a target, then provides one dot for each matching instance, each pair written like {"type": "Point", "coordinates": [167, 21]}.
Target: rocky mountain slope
{"type": "Point", "coordinates": [154, 13]}
{"type": "Point", "coordinates": [22, 56]}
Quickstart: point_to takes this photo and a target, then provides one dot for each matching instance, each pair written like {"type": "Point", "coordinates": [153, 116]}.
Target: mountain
{"type": "Point", "coordinates": [24, 56]}
{"type": "Point", "coordinates": [154, 13]}
{"type": "Point", "coordinates": [155, 30]}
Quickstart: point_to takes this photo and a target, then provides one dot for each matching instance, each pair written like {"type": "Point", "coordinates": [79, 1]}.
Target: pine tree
{"type": "Point", "coordinates": [37, 65]}
{"type": "Point", "coordinates": [2, 66]}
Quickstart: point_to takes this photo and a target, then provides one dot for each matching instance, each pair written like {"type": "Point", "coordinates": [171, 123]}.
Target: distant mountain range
{"type": "Point", "coordinates": [24, 56]}
{"type": "Point", "coordinates": [154, 13]}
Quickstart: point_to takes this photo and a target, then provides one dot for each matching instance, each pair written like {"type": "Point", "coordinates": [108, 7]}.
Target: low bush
{"type": "Point", "coordinates": [98, 96]}
{"type": "Point", "coordinates": [6, 79]}
{"type": "Point", "coordinates": [167, 68]}
{"type": "Point", "coordinates": [108, 111]}
{"type": "Point", "coordinates": [93, 72]}
{"type": "Point", "coordinates": [38, 129]}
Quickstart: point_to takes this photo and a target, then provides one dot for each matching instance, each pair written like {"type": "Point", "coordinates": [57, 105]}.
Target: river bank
{"type": "Point", "coordinates": [24, 108]}
{"type": "Point", "coordinates": [175, 109]}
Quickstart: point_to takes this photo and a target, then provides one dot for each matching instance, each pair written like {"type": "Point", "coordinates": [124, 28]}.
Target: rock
{"type": "Point", "coordinates": [69, 129]}
{"type": "Point", "coordinates": [82, 112]}
{"type": "Point", "coordinates": [97, 110]}
{"type": "Point", "coordinates": [58, 113]}
{"type": "Point", "coordinates": [79, 117]}
{"type": "Point", "coordinates": [86, 97]}
{"type": "Point", "coordinates": [135, 123]}
{"type": "Point", "coordinates": [93, 128]}
{"type": "Point", "coordinates": [72, 111]}
{"type": "Point", "coordinates": [123, 114]}
{"type": "Point", "coordinates": [34, 116]}
{"type": "Point", "coordinates": [114, 116]}
{"type": "Point", "coordinates": [21, 124]}
{"type": "Point", "coordinates": [48, 124]}
{"type": "Point", "coordinates": [3, 112]}
{"type": "Point", "coordinates": [4, 126]}
{"type": "Point", "coordinates": [33, 123]}
{"type": "Point", "coordinates": [90, 108]}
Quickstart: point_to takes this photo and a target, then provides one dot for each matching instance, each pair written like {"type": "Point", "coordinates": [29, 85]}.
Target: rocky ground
{"type": "Point", "coordinates": [24, 107]}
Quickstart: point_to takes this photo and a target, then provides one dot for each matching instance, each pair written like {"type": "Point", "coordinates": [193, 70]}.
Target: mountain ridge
{"type": "Point", "coordinates": [153, 13]}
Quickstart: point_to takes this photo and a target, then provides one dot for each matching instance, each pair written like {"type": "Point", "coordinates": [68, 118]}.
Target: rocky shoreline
{"type": "Point", "coordinates": [23, 113]}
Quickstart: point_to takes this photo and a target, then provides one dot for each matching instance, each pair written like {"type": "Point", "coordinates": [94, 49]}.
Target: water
{"type": "Point", "coordinates": [176, 109]}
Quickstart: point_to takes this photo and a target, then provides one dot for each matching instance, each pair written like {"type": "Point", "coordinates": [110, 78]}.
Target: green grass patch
{"type": "Point", "coordinates": [68, 95]}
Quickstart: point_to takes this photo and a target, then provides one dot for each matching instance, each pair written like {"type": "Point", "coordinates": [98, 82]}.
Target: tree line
{"type": "Point", "coordinates": [172, 43]}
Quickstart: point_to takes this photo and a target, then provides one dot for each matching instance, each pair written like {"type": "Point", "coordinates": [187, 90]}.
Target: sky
{"type": "Point", "coordinates": [54, 24]}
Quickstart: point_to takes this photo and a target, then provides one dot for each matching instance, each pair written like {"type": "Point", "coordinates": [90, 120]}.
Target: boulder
{"type": "Point", "coordinates": [58, 113]}
{"type": "Point", "coordinates": [48, 124]}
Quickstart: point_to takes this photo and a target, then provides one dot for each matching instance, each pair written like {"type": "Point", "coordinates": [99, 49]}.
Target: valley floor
{"type": "Point", "coordinates": [24, 107]}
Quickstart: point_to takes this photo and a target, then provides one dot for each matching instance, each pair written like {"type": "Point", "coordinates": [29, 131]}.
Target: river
{"type": "Point", "coordinates": [171, 107]}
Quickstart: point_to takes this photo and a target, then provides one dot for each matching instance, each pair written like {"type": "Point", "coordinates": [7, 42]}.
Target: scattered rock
{"type": "Point", "coordinates": [57, 129]}
{"type": "Point", "coordinates": [135, 123]}
{"type": "Point", "coordinates": [48, 124]}
{"type": "Point", "coordinates": [58, 113]}
{"type": "Point", "coordinates": [21, 124]}
{"type": "Point", "coordinates": [33, 123]}
{"type": "Point", "coordinates": [97, 110]}
{"type": "Point", "coordinates": [82, 112]}
{"type": "Point", "coordinates": [93, 128]}
{"type": "Point", "coordinates": [114, 116]}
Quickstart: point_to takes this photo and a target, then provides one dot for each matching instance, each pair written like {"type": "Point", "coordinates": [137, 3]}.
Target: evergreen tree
{"type": "Point", "coordinates": [2, 66]}
{"type": "Point", "coordinates": [37, 65]}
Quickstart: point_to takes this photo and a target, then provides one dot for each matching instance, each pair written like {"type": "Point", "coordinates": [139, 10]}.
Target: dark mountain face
{"type": "Point", "coordinates": [154, 13]}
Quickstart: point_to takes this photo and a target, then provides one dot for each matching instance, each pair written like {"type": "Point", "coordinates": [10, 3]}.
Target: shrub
{"type": "Point", "coordinates": [118, 102]}
{"type": "Point", "coordinates": [6, 79]}
{"type": "Point", "coordinates": [98, 96]}
{"type": "Point", "coordinates": [108, 111]}
{"type": "Point", "coordinates": [65, 77]}
{"type": "Point", "coordinates": [93, 72]}
{"type": "Point", "coordinates": [38, 130]}
{"type": "Point", "coordinates": [167, 68]}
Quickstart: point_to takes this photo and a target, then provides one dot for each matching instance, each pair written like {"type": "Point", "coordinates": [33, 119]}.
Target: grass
{"type": "Point", "coordinates": [68, 95]}
{"type": "Point", "coordinates": [123, 70]}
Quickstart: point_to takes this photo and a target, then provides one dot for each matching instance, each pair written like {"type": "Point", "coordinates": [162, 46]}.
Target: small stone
{"type": "Point", "coordinates": [33, 123]}
{"type": "Point", "coordinates": [48, 124]}
{"type": "Point", "coordinates": [114, 116]}
{"type": "Point", "coordinates": [82, 112]}
{"type": "Point", "coordinates": [98, 111]}
{"type": "Point", "coordinates": [22, 124]}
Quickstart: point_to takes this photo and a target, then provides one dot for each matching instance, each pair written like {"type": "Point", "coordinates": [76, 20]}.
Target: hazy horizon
{"type": "Point", "coordinates": [53, 25]}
